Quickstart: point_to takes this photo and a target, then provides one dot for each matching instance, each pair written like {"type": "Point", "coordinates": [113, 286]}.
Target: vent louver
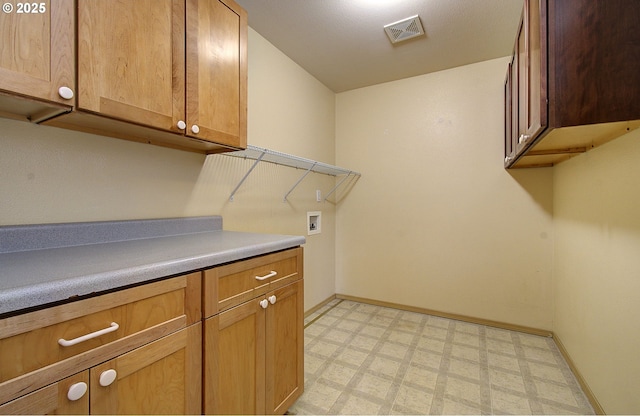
{"type": "Point", "coordinates": [406, 29]}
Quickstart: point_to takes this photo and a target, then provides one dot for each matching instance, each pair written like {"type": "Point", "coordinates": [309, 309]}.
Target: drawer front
{"type": "Point", "coordinates": [232, 284]}
{"type": "Point", "coordinates": [35, 340]}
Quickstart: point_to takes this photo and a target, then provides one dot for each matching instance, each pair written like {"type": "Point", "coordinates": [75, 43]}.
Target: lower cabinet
{"type": "Point", "coordinates": [159, 378]}
{"type": "Point", "coordinates": [253, 354]}
{"type": "Point", "coordinates": [162, 377]}
{"type": "Point", "coordinates": [134, 351]}
{"type": "Point", "coordinates": [284, 348]}
{"type": "Point", "coordinates": [228, 340]}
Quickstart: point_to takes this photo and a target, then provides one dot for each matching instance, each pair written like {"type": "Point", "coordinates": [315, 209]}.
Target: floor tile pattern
{"type": "Point", "coordinates": [366, 359]}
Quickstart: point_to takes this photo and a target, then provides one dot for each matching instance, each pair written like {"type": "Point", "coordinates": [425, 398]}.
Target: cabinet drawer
{"type": "Point", "coordinates": [230, 285]}
{"type": "Point", "coordinates": [96, 329]}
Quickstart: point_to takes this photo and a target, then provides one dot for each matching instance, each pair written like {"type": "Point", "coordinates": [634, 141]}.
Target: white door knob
{"type": "Point", "coordinates": [182, 125]}
{"type": "Point", "coordinates": [272, 299]}
{"type": "Point", "coordinates": [108, 377]}
{"type": "Point", "coordinates": [65, 92]}
{"type": "Point", "coordinates": [195, 129]}
{"type": "Point", "coordinates": [264, 303]}
{"type": "Point", "coordinates": [76, 391]}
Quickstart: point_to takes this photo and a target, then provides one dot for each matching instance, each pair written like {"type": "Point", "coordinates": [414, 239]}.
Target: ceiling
{"type": "Point", "coordinates": [343, 43]}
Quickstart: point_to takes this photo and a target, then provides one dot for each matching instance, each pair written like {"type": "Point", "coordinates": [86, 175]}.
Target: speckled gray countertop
{"type": "Point", "coordinates": [41, 264]}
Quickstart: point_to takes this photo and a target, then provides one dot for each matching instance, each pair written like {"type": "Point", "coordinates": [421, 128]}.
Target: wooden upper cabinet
{"type": "Point", "coordinates": [217, 71]}
{"type": "Point", "coordinates": [37, 59]}
{"type": "Point", "coordinates": [131, 60]}
{"type": "Point", "coordinates": [526, 101]}
{"type": "Point", "coordinates": [165, 64]}
{"type": "Point", "coordinates": [536, 73]}
{"type": "Point", "coordinates": [574, 78]}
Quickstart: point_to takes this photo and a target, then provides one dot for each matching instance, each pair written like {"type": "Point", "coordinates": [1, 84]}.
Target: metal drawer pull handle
{"type": "Point", "coordinates": [114, 327]}
{"type": "Point", "coordinates": [266, 276]}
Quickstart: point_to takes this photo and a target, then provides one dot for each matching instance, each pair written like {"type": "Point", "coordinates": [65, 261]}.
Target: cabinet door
{"type": "Point", "coordinates": [285, 347]}
{"type": "Point", "coordinates": [521, 84]}
{"type": "Point", "coordinates": [234, 348]}
{"type": "Point", "coordinates": [529, 76]}
{"type": "Point", "coordinates": [36, 52]}
{"type": "Point", "coordinates": [515, 101]}
{"type": "Point", "coordinates": [217, 72]}
{"type": "Point", "coordinates": [536, 68]}
{"type": "Point", "coordinates": [131, 60]}
{"type": "Point", "coordinates": [162, 377]}
{"type": "Point", "coordinates": [52, 399]}
{"type": "Point", "coordinates": [509, 150]}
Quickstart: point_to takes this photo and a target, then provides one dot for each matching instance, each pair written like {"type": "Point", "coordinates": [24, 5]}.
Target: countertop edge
{"type": "Point", "coordinates": [15, 300]}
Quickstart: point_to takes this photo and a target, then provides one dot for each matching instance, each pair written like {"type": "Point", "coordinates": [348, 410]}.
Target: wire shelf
{"type": "Point", "coordinates": [279, 158]}
{"type": "Point", "coordinates": [267, 155]}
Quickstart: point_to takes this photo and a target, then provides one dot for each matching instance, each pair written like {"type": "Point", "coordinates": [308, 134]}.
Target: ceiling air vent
{"type": "Point", "coordinates": [404, 29]}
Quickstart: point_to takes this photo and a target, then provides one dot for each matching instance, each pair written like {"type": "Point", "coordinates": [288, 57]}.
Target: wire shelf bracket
{"type": "Point", "coordinates": [259, 154]}
{"type": "Point", "coordinates": [246, 175]}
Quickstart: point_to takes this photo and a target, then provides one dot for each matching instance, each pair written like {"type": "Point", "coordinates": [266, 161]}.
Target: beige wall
{"type": "Point", "coordinates": [435, 221]}
{"type": "Point", "coordinates": [51, 175]}
{"type": "Point", "coordinates": [597, 269]}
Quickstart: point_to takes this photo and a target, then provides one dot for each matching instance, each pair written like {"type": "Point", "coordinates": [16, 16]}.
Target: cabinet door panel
{"type": "Point", "coordinates": [234, 361]}
{"type": "Point", "coordinates": [36, 52]}
{"type": "Point", "coordinates": [131, 60]}
{"type": "Point", "coordinates": [51, 400]}
{"type": "Point", "coordinates": [217, 71]}
{"type": "Point", "coordinates": [522, 97]}
{"type": "Point", "coordinates": [285, 348]}
{"type": "Point", "coordinates": [508, 144]}
{"type": "Point", "coordinates": [162, 377]}
{"type": "Point", "coordinates": [536, 68]}
{"type": "Point", "coordinates": [515, 103]}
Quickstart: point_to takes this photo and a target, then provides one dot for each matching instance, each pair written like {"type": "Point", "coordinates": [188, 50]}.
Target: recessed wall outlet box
{"type": "Point", "coordinates": [314, 222]}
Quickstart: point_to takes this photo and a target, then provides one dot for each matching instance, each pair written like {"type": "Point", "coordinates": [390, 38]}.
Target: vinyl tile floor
{"type": "Point", "coordinates": [366, 359]}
